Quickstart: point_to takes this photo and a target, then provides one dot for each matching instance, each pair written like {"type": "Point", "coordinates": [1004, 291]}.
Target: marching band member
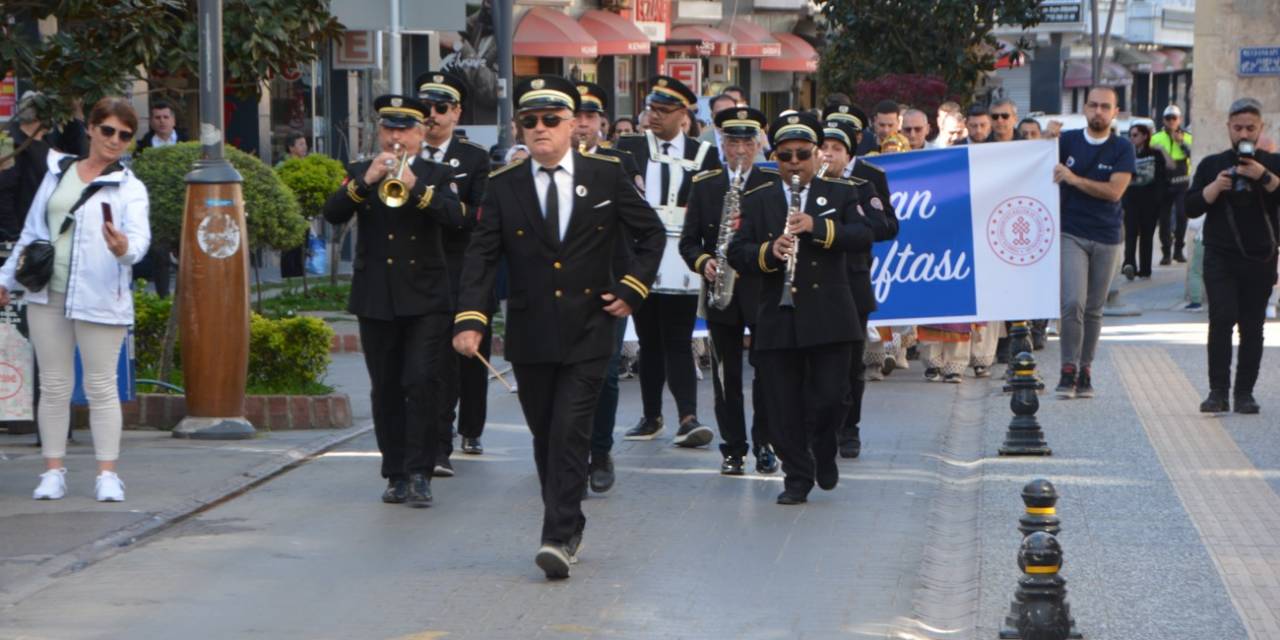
{"type": "Point", "coordinates": [796, 236]}
{"type": "Point", "coordinates": [739, 127]}
{"type": "Point", "coordinates": [556, 219]}
{"type": "Point", "coordinates": [669, 159]}
{"type": "Point", "coordinates": [400, 290]}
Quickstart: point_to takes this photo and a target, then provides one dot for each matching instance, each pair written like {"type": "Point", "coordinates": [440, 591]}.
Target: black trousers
{"type": "Point", "coordinates": [857, 386]}
{"type": "Point", "coordinates": [805, 395]}
{"type": "Point", "coordinates": [464, 392]}
{"type": "Point", "coordinates": [1140, 223]}
{"type": "Point", "coordinates": [559, 402]}
{"type": "Point", "coordinates": [403, 357]}
{"type": "Point", "coordinates": [607, 408]}
{"type": "Point", "coordinates": [1173, 219]}
{"type": "Point", "coordinates": [1237, 290]}
{"type": "Point", "coordinates": [664, 325]}
{"type": "Point", "coordinates": [726, 379]}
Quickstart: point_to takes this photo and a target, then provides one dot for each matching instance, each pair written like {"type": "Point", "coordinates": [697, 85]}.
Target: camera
{"type": "Point", "coordinates": [1244, 151]}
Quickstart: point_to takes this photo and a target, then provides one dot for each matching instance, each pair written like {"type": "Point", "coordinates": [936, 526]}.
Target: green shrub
{"type": "Point", "coordinates": [313, 179]}
{"type": "Point", "coordinates": [316, 298]}
{"type": "Point", "coordinates": [150, 317]}
{"type": "Point", "coordinates": [271, 209]}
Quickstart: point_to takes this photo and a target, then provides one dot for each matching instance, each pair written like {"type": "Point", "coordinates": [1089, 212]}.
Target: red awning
{"type": "Point", "coordinates": [1079, 75]}
{"type": "Point", "coordinates": [707, 41]}
{"type": "Point", "coordinates": [797, 55]}
{"type": "Point", "coordinates": [547, 33]}
{"type": "Point", "coordinates": [751, 40]}
{"type": "Point", "coordinates": [614, 34]}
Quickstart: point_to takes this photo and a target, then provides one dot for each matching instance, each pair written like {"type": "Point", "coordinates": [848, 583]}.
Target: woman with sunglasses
{"type": "Point", "coordinates": [95, 214]}
{"type": "Point", "coordinates": [1143, 200]}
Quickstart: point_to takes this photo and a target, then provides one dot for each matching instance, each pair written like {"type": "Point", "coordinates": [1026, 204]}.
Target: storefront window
{"type": "Point", "coordinates": [296, 96]}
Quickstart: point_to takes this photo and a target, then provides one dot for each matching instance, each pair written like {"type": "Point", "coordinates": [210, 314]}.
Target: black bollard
{"type": "Point", "coordinates": [1024, 436]}
{"type": "Point", "coordinates": [1044, 613]}
{"type": "Point", "coordinates": [1041, 500]}
{"type": "Point", "coordinates": [1019, 342]}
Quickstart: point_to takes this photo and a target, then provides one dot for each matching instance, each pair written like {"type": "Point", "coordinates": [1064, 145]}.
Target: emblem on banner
{"type": "Point", "coordinates": [1020, 231]}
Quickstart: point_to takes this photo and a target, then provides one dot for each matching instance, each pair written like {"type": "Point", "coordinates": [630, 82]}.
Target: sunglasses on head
{"type": "Point", "coordinates": [109, 131]}
{"type": "Point", "coordinates": [440, 108]}
{"type": "Point", "coordinates": [1002, 116]}
{"type": "Point", "coordinates": [801, 155]}
{"type": "Point", "coordinates": [549, 120]}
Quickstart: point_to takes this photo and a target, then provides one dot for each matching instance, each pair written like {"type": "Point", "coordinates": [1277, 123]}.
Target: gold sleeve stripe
{"type": "Point", "coordinates": [702, 259]}
{"type": "Point", "coordinates": [425, 200]}
{"type": "Point", "coordinates": [764, 266]}
{"type": "Point", "coordinates": [351, 192]}
{"type": "Point", "coordinates": [471, 315]}
{"type": "Point", "coordinates": [634, 283]}
{"type": "Point", "coordinates": [831, 234]}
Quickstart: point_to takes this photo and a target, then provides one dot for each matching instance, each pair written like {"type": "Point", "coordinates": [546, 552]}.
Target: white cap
{"type": "Point", "coordinates": [1172, 110]}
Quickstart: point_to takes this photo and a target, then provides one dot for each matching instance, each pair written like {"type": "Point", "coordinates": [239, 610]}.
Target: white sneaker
{"type": "Point", "coordinates": [110, 487]}
{"type": "Point", "coordinates": [53, 485]}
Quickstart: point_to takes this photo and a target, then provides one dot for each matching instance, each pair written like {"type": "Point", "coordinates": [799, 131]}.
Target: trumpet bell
{"type": "Point", "coordinates": [393, 192]}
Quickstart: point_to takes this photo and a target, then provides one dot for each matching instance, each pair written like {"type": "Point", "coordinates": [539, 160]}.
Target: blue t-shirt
{"type": "Point", "coordinates": [1083, 215]}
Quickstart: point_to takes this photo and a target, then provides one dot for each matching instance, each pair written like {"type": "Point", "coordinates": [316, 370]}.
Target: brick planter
{"type": "Point", "coordinates": [272, 413]}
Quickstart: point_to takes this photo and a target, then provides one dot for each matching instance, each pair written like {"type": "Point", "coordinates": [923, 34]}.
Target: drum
{"type": "Point", "coordinates": [674, 276]}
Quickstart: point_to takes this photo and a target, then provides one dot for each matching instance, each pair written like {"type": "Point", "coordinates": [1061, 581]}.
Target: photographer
{"type": "Point", "coordinates": [1237, 188]}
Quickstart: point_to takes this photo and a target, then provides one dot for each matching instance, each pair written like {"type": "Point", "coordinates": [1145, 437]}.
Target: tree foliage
{"type": "Point", "coordinates": [271, 208]}
{"type": "Point", "coordinates": [313, 179]}
{"type": "Point", "coordinates": [950, 39]}
{"type": "Point", "coordinates": [101, 45]}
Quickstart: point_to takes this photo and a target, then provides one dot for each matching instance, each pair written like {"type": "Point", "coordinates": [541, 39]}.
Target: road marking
{"type": "Point", "coordinates": [1228, 499]}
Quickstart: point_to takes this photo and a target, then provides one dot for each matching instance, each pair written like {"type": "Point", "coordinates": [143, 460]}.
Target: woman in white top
{"type": "Point", "coordinates": [95, 214]}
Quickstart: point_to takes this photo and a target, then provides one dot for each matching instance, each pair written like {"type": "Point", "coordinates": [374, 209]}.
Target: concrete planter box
{"type": "Point", "coordinates": [273, 413]}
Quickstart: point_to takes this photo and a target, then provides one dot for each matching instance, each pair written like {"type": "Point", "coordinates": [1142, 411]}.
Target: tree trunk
{"type": "Point", "coordinates": [257, 285]}
{"type": "Point", "coordinates": [1106, 38]}
{"type": "Point", "coordinates": [170, 338]}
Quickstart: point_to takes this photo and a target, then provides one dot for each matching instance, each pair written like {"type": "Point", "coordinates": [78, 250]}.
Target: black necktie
{"type": "Point", "coordinates": [666, 174]}
{"type": "Point", "coordinates": [432, 151]}
{"type": "Point", "coordinates": [551, 212]}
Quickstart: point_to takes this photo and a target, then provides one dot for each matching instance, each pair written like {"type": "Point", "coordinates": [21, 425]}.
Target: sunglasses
{"type": "Point", "coordinates": [1002, 116]}
{"type": "Point", "coordinates": [549, 121]}
{"type": "Point", "coordinates": [1171, 117]}
{"type": "Point", "coordinates": [801, 155]}
{"type": "Point", "coordinates": [440, 108]}
{"type": "Point", "coordinates": [910, 129]}
{"type": "Point", "coordinates": [109, 131]}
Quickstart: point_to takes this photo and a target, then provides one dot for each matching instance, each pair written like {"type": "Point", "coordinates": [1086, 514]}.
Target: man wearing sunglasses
{"type": "Point", "coordinates": [1004, 120]}
{"type": "Point", "coordinates": [464, 382]}
{"type": "Point", "coordinates": [669, 159]}
{"type": "Point", "coordinates": [400, 293]}
{"type": "Point", "coordinates": [803, 350]}
{"type": "Point", "coordinates": [1172, 224]}
{"type": "Point", "coordinates": [556, 218]}
{"type": "Point", "coordinates": [740, 128]}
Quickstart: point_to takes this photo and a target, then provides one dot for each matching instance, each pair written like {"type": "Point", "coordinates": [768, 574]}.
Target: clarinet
{"type": "Point", "coordinates": [788, 301]}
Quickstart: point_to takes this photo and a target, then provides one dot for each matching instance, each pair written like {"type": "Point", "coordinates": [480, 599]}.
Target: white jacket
{"type": "Point", "coordinates": [98, 287]}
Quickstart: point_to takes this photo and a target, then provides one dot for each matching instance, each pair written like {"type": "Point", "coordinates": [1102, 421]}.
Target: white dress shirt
{"type": "Point", "coordinates": [804, 195]}
{"type": "Point", "coordinates": [439, 155]}
{"type": "Point", "coordinates": [564, 190]}
{"type": "Point", "coordinates": [172, 139]}
{"type": "Point", "coordinates": [653, 172]}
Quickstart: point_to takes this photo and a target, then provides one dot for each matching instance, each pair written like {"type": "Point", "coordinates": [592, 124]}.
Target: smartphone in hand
{"type": "Point", "coordinates": [106, 213]}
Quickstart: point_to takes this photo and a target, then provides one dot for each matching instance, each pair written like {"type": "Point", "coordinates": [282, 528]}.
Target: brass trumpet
{"type": "Point", "coordinates": [393, 192]}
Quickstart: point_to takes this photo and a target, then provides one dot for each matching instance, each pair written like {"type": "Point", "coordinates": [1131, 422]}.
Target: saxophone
{"type": "Point", "coordinates": [721, 293]}
{"type": "Point", "coordinates": [788, 301]}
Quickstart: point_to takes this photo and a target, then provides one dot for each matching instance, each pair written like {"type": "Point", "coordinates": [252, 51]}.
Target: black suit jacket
{"type": "Point", "coordinates": [469, 165]}
{"type": "Point", "coordinates": [874, 185]}
{"type": "Point", "coordinates": [622, 252]}
{"type": "Point", "coordinates": [825, 312]}
{"type": "Point", "coordinates": [399, 264]}
{"type": "Point", "coordinates": [555, 313]}
{"type": "Point", "coordinates": [638, 146]}
{"type": "Point", "coordinates": [702, 231]}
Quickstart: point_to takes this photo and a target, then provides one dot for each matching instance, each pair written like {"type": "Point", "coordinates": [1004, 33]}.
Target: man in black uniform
{"type": "Point", "coordinates": [740, 128]}
{"type": "Point", "coordinates": [556, 218]}
{"type": "Point", "coordinates": [593, 104]}
{"type": "Point", "coordinates": [668, 159]}
{"type": "Point", "coordinates": [803, 348]}
{"type": "Point", "coordinates": [464, 382]}
{"type": "Point", "coordinates": [400, 293]}
{"type": "Point", "coordinates": [841, 135]}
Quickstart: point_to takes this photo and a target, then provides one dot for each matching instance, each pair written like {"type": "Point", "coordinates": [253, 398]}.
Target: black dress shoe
{"type": "Point", "coordinates": [600, 472]}
{"type": "Point", "coordinates": [792, 497]}
{"type": "Point", "coordinates": [645, 429]}
{"type": "Point", "coordinates": [1178, 257]}
{"type": "Point", "coordinates": [397, 491]}
{"type": "Point", "coordinates": [1216, 402]}
{"type": "Point", "coordinates": [1165, 261]}
{"type": "Point", "coordinates": [444, 468]}
{"type": "Point", "coordinates": [419, 491]}
{"type": "Point", "coordinates": [828, 474]}
{"type": "Point", "coordinates": [554, 561]}
{"type": "Point", "coordinates": [693, 434]}
{"type": "Point", "coordinates": [1246, 404]}
{"type": "Point", "coordinates": [766, 460]}
{"type": "Point", "coordinates": [733, 466]}
{"type": "Point", "coordinates": [851, 448]}
{"type": "Point", "coordinates": [471, 446]}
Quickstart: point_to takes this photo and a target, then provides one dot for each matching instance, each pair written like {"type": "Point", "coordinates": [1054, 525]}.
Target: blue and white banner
{"type": "Point", "coordinates": [978, 236]}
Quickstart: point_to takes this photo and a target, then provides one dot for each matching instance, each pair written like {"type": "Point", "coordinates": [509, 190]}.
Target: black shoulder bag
{"type": "Point", "coordinates": [35, 263]}
{"type": "Point", "coordinates": [1266, 219]}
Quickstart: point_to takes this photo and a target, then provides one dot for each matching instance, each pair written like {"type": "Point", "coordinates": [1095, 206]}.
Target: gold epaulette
{"type": "Point", "coordinates": [838, 180]}
{"type": "Point", "coordinates": [474, 144]}
{"type": "Point", "coordinates": [703, 175]}
{"type": "Point", "coordinates": [507, 167]}
{"type": "Point", "coordinates": [769, 170]}
{"type": "Point", "coordinates": [632, 135]}
{"type": "Point", "coordinates": [873, 166]}
{"type": "Point", "coordinates": [856, 181]}
{"type": "Point", "coordinates": [757, 188]}
{"type": "Point", "coordinates": [601, 156]}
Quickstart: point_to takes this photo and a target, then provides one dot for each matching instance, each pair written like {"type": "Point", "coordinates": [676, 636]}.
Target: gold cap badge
{"type": "Point", "coordinates": [396, 102]}
{"type": "Point", "coordinates": [793, 119]}
{"type": "Point", "coordinates": [662, 82]}
{"type": "Point", "coordinates": [742, 114]}
{"type": "Point", "coordinates": [538, 84]}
